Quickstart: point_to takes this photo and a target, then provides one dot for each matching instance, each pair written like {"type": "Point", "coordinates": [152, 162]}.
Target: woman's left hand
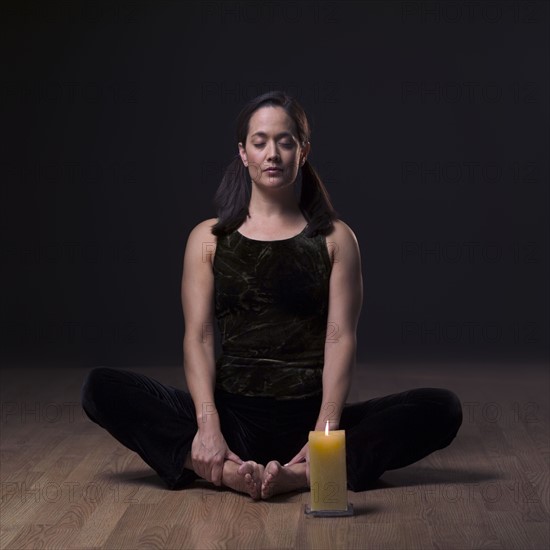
{"type": "Point", "coordinates": [303, 455]}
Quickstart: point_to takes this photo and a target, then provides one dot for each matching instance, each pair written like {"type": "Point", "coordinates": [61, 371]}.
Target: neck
{"type": "Point", "coordinates": [274, 204]}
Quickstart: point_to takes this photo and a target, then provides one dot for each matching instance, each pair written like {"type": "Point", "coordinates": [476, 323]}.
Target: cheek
{"type": "Point", "coordinates": [294, 158]}
{"type": "Point", "coordinates": [255, 156]}
{"type": "Point", "coordinates": [294, 162]}
{"type": "Point", "coordinates": [255, 163]}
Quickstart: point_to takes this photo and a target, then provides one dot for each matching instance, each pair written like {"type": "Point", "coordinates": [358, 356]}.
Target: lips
{"type": "Point", "coordinates": [272, 170]}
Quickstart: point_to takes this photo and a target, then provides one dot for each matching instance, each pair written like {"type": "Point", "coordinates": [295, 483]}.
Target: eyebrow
{"type": "Point", "coordinates": [263, 134]}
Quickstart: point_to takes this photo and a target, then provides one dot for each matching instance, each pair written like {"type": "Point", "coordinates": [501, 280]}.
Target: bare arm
{"type": "Point", "coordinates": [197, 291]}
{"type": "Point", "coordinates": [345, 300]}
{"type": "Point", "coordinates": [209, 449]}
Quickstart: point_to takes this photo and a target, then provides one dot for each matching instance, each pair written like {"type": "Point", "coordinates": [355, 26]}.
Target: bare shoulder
{"type": "Point", "coordinates": [201, 242]}
{"type": "Point", "coordinates": [343, 232]}
{"type": "Point", "coordinates": [342, 241]}
{"type": "Point", "coordinates": [203, 230]}
{"type": "Point", "coordinates": [202, 233]}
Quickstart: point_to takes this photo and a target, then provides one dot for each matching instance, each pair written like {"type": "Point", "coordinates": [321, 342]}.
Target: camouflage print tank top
{"type": "Point", "coordinates": [271, 305]}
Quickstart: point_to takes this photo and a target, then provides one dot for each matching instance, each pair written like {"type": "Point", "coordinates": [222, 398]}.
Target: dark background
{"type": "Point", "coordinates": [430, 130]}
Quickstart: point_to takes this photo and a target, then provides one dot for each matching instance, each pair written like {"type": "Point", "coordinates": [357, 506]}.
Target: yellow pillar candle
{"type": "Point", "coordinates": [327, 470]}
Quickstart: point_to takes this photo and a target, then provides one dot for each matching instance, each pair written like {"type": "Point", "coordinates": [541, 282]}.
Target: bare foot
{"type": "Point", "coordinates": [244, 478]}
{"type": "Point", "coordinates": [283, 479]}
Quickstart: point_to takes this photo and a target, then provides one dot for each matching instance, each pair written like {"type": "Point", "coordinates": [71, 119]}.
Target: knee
{"type": "Point", "coordinates": [451, 411]}
{"type": "Point", "coordinates": [94, 388]}
{"type": "Point", "coordinates": [94, 380]}
{"type": "Point", "coordinates": [455, 409]}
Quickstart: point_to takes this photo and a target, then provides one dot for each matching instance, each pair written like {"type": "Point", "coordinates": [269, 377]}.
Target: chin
{"type": "Point", "coordinates": [279, 181]}
{"type": "Point", "coordinates": [280, 184]}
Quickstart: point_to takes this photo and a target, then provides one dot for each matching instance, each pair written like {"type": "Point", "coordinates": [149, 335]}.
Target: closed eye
{"type": "Point", "coordinates": [285, 145]}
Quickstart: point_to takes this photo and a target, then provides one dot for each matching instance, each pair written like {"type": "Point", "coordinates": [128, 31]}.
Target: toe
{"type": "Point", "coordinates": [245, 468]}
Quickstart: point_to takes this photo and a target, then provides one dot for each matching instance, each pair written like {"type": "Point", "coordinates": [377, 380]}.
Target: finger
{"type": "Point", "coordinates": [197, 468]}
{"type": "Point", "coordinates": [232, 456]}
{"type": "Point", "coordinates": [203, 468]}
{"type": "Point", "coordinates": [298, 458]}
{"type": "Point", "coordinates": [216, 474]}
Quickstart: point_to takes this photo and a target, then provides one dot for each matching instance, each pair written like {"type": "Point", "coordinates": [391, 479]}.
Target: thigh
{"type": "Point", "coordinates": [438, 401]}
{"type": "Point", "coordinates": [122, 395]}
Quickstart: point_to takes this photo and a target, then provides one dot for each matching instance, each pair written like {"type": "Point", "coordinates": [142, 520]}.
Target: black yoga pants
{"type": "Point", "coordinates": [158, 422]}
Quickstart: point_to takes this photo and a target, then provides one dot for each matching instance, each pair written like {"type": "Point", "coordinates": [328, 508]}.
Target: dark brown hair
{"type": "Point", "coordinates": [233, 194]}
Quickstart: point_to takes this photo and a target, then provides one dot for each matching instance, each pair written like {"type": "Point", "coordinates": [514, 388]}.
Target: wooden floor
{"type": "Point", "coordinates": [65, 483]}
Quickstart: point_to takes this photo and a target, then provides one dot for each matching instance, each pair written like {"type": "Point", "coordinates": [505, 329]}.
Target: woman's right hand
{"type": "Point", "coordinates": [208, 453]}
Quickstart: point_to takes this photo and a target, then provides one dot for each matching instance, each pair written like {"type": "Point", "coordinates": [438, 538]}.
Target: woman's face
{"type": "Point", "coordinates": [272, 143]}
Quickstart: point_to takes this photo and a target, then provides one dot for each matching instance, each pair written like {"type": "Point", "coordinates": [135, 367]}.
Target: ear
{"type": "Point", "coordinates": [242, 153]}
{"type": "Point", "coordinates": [305, 152]}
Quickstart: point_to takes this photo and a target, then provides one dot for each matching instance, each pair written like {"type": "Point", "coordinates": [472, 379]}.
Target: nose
{"type": "Point", "coordinates": [272, 152]}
